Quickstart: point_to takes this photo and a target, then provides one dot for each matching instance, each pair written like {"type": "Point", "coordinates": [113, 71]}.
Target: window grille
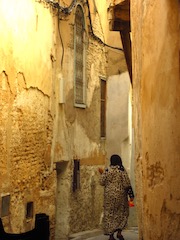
{"type": "Point", "coordinates": [76, 175]}
{"type": "Point", "coordinates": [79, 57]}
{"type": "Point", "coordinates": [103, 108]}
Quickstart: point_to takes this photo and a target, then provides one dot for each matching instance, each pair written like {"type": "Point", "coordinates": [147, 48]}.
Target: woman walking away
{"type": "Point", "coordinates": [117, 188]}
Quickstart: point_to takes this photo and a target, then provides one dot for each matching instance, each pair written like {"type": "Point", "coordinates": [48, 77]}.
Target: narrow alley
{"type": "Point", "coordinates": [82, 81]}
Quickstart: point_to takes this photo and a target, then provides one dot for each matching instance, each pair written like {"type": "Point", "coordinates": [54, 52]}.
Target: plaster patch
{"type": "Point", "coordinates": [82, 144]}
{"type": "Point", "coordinates": [169, 220]}
{"type": "Point", "coordinates": [20, 81]}
{"type": "Point", "coordinates": [91, 85]}
{"type": "Point", "coordinates": [155, 174]}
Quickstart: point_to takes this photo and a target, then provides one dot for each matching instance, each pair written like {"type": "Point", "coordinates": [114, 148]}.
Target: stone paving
{"type": "Point", "coordinates": [129, 234]}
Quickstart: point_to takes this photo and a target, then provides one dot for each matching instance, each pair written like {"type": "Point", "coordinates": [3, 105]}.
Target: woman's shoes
{"type": "Point", "coordinates": [111, 238]}
{"type": "Point", "coordinates": [119, 236]}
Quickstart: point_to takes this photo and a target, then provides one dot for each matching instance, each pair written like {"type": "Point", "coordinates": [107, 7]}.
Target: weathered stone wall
{"type": "Point", "coordinates": [37, 127]}
{"type": "Point", "coordinates": [86, 204]}
{"type": "Point", "coordinates": [26, 117]}
{"type": "Point", "coordinates": [79, 134]}
{"type": "Point", "coordinates": [39, 123]}
{"type": "Point", "coordinates": [155, 39]}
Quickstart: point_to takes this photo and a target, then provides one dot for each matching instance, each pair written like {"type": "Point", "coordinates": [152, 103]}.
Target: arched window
{"type": "Point", "coordinates": [79, 48]}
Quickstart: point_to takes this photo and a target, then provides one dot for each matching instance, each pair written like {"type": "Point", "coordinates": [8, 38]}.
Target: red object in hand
{"type": "Point", "coordinates": [131, 204]}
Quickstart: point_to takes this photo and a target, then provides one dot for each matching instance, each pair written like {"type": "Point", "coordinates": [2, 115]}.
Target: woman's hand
{"type": "Point", "coordinates": [131, 203]}
{"type": "Point", "coordinates": [100, 170]}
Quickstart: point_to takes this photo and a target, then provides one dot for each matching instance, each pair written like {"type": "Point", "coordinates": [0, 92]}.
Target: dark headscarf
{"type": "Point", "coordinates": [116, 161]}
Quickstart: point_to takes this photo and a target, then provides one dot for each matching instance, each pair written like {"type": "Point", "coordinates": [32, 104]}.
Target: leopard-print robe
{"type": "Point", "coordinates": [117, 187]}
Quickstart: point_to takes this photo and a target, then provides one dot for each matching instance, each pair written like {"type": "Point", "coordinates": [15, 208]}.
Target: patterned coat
{"type": "Point", "coordinates": [117, 187]}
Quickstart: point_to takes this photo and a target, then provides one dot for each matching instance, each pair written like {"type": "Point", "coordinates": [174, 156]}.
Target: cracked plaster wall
{"type": "Point", "coordinates": [26, 117]}
{"type": "Point", "coordinates": [37, 129]}
{"type": "Point", "coordinates": [155, 44]}
{"type": "Point", "coordinates": [79, 135]}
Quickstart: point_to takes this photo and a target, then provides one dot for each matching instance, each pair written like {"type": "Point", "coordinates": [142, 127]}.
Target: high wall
{"type": "Point", "coordinates": [156, 68]}
{"type": "Point", "coordinates": [78, 129]}
{"type": "Point", "coordinates": [42, 132]}
{"type": "Point", "coordinates": [26, 114]}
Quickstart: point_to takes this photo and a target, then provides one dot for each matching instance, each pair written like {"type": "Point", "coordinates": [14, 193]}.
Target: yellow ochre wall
{"type": "Point", "coordinates": [156, 91]}
{"type": "Point", "coordinates": [26, 116]}
{"type": "Point", "coordinates": [41, 130]}
{"type": "Point", "coordinates": [40, 126]}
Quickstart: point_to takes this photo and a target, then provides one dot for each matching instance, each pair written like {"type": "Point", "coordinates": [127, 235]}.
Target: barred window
{"type": "Point", "coordinates": [79, 57]}
{"type": "Point", "coordinates": [76, 175]}
{"type": "Point", "coordinates": [29, 210]}
{"type": "Point", "coordinates": [103, 108]}
{"type": "Point", "coordinates": [5, 205]}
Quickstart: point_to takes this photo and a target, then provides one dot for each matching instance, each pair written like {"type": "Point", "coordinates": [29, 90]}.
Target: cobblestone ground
{"type": "Point", "coordinates": [131, 234]}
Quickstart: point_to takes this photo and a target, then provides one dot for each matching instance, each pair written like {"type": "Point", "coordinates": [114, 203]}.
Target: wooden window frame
{"type": "Point", "coordinates": [5, 205]}
{"type": "Point", "coordinates": [81, 103]}
{"type": "Point", "coordinates": [29, 210]}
